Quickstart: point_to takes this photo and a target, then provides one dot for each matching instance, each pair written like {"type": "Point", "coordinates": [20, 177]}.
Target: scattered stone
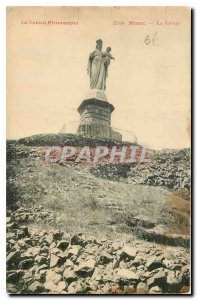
{"type": "Point", "coordinates": [105, 258]}
{"type": "Point", "coordinates": [63, 245]}
{"type": "Point", "coordinates": [13, 257]}
{"type": "Point", "coordinates": [78, 240]}
{"type": "Point", "coordinates": [86, 268]}
{"type": "Point", "coordinates": [36, 287]}
{"type": "Point", "coordinates": [129, 289]}
{"type": "Point", "coordinates": [155, 290]}
{"type": "Point", "coordinates": [154, 263]}
{"type": "Point", "coordinates": [53, 260]}
{"type": "Point", "coordinates": [69, 275]}
{"type": "Point", "coordinates": [26, 264]}
{"type": "Point", "coordinates": [128, 252]}
{"type": "Point", "coordinates": [128, 275]}
{"type": "Point", "coordinates": [142, 288]}
{"type": "Point", "coordinates": [42, 262]}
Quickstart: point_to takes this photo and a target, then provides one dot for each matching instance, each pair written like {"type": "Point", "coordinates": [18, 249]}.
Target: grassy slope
{"type": "Point", "coordinates": [81, 202]}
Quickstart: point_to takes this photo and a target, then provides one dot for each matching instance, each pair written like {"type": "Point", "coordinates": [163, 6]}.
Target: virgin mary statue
{"type": "Point", "coordinates": [96, 68]}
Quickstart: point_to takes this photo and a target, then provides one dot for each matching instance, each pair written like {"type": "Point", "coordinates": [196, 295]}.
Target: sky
{"type": "Point", "coordinates": [148, 82]}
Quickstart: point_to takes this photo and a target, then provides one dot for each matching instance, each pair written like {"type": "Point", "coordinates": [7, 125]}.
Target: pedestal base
{"type": "Point", "coordinates": [96, 94]}
{"type": "Point", "coordinates": [95, 119]}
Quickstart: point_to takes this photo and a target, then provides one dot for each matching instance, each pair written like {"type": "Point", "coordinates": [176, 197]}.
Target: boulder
{"type": "Point", "coordinates": [63, 245]}
{"type": "Point", "coordinates": [53, 276]}
{"type": "Point", "coordinates": [78, 239]}
{"type": "Point", "coordinates": [105, 258]}
{"type": "Point", "coordinates": [155, 290]}
{"type": "Point", "coordinates": [154, 263]}
{"type": "Point", "coordinates": [69, 275]}
{"type": "Point", "coordinates": [26, 264]}
{"type": "Point", "coordinates": [86, 268]}
{"type": "Point", "coordinates": [128, 252]}
{"type": "Point", "coordinates": [36, 287]}
{"type": "Point", "coordinates": [126, 275]}
{"type": "Point", "coordinates": [53, 260]}
{"type": "Point", "coordinates": [142, 288]}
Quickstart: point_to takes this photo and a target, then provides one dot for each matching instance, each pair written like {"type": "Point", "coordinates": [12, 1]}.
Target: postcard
{"type": "Point", "coordinates": [98, 150]}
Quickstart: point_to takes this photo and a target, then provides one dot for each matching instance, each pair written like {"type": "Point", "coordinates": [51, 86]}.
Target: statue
{"type": "Point", "coordinates": [98, 66]}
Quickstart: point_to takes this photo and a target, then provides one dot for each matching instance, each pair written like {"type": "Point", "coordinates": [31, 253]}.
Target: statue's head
{"type": "Point", "coordinates": [99, 44]}
{"type": "Point", "coordinates": [108, 49]}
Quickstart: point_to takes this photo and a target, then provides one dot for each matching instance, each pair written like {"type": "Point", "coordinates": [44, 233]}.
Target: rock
{"type": "Point", "coordinates": [185, 290]}
{"type": "Point", "coordinates": [123, 265]}
{"type": "Point", "coordinates": [41, 260]}
{"type": "Point", "coordinates": [31, 252]}
{"type": "Point", "coordinates": [53, 260]}
{"type": "Point", "coordinates": [11, 226]}
{"type": "Point", "coordinates": [29, 274]}
{"type": "Point", "coordinates": [169, 254]}
{"type": "Point", "coordinates": [167, 263]}
{"type": "Point", "coordinates": [129, 289]}
{"type": "Point", "coordinates": [51, 287]}
{"type": "Point", "coordinates": [55, 250]}
{"type": "Point", "coordinates": [63, 245]}
{"type": "Point", "coordinates": [144, 222]}
{"type": "Point", "coordinates": [78, 240]}
{"type": "Point", "coordinates": [11, 288]}
{"type": "Point", "coordinates": [68, 263]}
{"type": "Point", "coordinates": [142, 288]}
{"type": "Point", "coordinates": [116, 246]}
{"type": "Point", "coordinates": [90, 249]}
{"type": "Point", "coordinates": [86, 268]}
{"type": "Point", "coordinates": [155, 290]}
{"type": "Point", "coordinates": [81, 288]}
{"type": "Point", "coordinates": [115, 264]}
{"type": "Point", "coordinates": [22, 232]}
{"type": "Point", "coordinates": [69, 275]}
{"type": "Point", "coordinates": [49, 238]}
{"type": "Point", "coordinates": [71, 288]}
{"type": "Point", "coordinates": [174, 281]}
{"type": "Point", "coordinates": [105, 258]}
{"type": "Point", "coordinates": [13, 257]}
{"type": "Point", "coordinates": [98, 273]}
{"type": "Point", "coordinates": [26, 264]}
{"type": "Point", "coordinates": [10, 235]}
{"type": "Point", "coordinates": [8, 220]}
{"type": "Point", "coordinates": [42, 267]}
{"type": "Point", "coordinates": [14, 276]}
{"type": "Point", "coordinates": [93, 285]}
{"type": "Point", "coordinates": [36, 287]}
{"type": "Point", "coordinates": [158, 279]}
{"type": "Point", "coordinates": [154, 263]}
{"type": "Point", "coordinates": [128, 275]}
{"type": "Point", "coordinates": [137, 261]}
{"type": "Point", "coordinates": [74, 250]}
{"type": "Point", "coordinates": [59, 269]}
{"type": "Point", "coordinates": [53, 276]}
{"type": "Point", "coordinates": [128, 252]}
{"type": "Point", "coordinates": [58, 235]}
{"type": "Point", "coordinates": [62, 285]}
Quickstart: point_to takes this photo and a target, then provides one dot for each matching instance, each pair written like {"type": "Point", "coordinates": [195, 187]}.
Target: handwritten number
{"type": "Point", "coordinates": [152, 40]}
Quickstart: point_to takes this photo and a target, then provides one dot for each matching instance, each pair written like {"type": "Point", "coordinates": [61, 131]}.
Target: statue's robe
{"type": "Point", "coordinates": [97, 70]}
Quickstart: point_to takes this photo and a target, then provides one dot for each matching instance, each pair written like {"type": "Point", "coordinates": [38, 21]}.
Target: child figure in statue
{"type": "Point", "coordinates": [107, 57]}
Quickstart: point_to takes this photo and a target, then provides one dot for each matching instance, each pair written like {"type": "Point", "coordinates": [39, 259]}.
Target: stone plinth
{"type": "Point", "coordinates": [95, 118]}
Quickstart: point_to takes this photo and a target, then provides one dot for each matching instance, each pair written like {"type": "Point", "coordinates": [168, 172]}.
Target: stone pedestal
{"type": "Point", "coordinates": [95, 120]}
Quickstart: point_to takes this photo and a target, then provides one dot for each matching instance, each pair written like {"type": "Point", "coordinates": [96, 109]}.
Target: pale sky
{"type": "Point", "coordinates": [148, 85]}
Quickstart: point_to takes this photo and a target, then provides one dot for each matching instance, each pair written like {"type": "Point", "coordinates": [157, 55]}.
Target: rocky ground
{"type": "Point", "coordinates": [56, 262]}
{"type": "Point", "coordinates": [126, 231]}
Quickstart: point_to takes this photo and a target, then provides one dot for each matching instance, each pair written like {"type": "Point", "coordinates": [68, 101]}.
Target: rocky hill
{"type": "Point", "coordinates": [105, 229]}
